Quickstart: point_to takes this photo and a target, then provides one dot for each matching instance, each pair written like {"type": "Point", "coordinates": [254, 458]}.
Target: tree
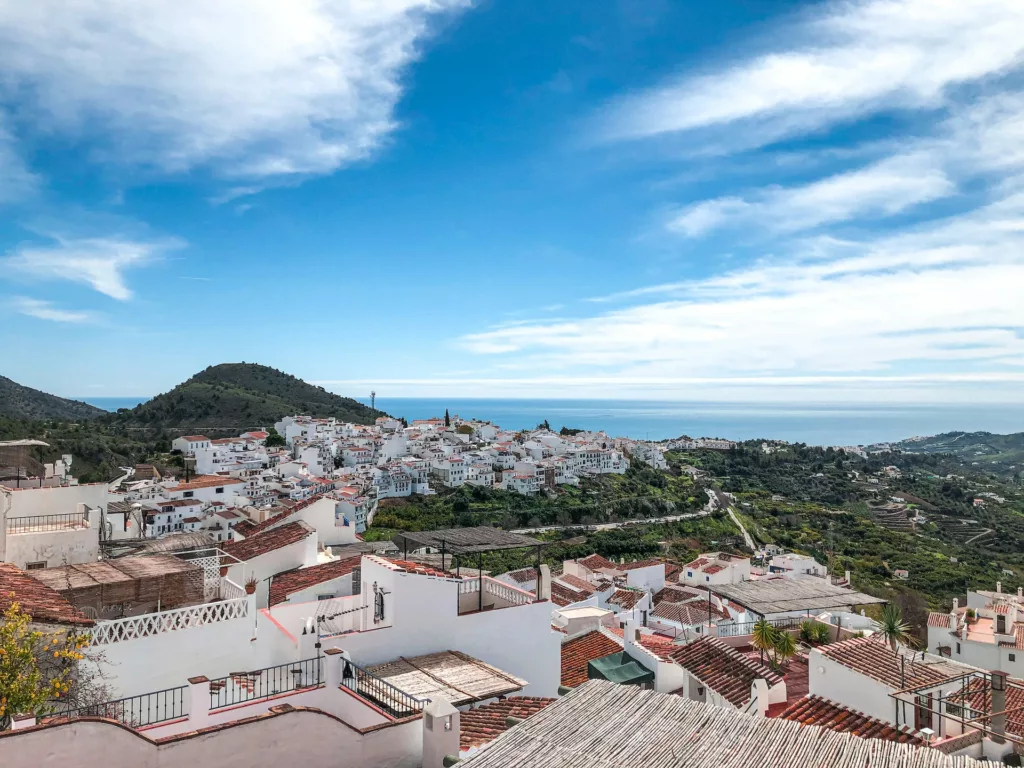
{"type": "Point", "coordinates": [447, 418]}
{"type": "Point", "coordinates": [892, 627]}
{"type": "Point", "coordinates": [783, 646]}
{"type": "Point", "coordinates": [763, 637]}
{"type": "Point", "coordinates": [274, 439]}
{"type": "Point", "coordinates": [37, 669]}
{"type": "Point", "coordinates": [544, 425]}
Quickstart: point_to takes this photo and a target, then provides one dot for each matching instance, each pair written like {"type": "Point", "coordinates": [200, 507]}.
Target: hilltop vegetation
{"type": "Point", "coordinates": [234, 397]}
{"type": "Point", "coordinates": [1003, 454]}
{"type": "Point", "coordinates": [24, 403]}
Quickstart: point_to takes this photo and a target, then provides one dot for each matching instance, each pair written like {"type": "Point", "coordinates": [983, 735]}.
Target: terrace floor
{"type": "Point", "coordinates": [797, 685]}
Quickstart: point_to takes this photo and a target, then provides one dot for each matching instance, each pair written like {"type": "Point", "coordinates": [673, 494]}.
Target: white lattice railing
{"type": "Point", "coordinates": [229, 590]}
{"type": "Point", "coordinates": [135, 627]}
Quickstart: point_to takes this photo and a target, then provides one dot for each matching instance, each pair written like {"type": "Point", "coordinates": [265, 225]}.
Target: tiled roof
{"type": "Point", "coordinates": [562, 596]}
{"type": "Point", "coordinates": [815, 710]}
{"type": "Point", "coordinates": [577, 584]}
{"type": "Point", "coordinates": [579, 651]}
{"type": "Point", "coordinates": [672, 570]}
{"type": "Point", "coordinates": [267, 541]}
{"type": "Point", "coordinates": [523, 575]}
{"type": "Point", "coordinates": [677, 594]}
{"type": "Point", "coordinates": [205, 481]}
{"type": "Point", "coordinates": [688, 614]}
{"type": "Point", "coordinates": [290, 582]}
{"type": "Point", "coordinates": [453, 676]}
{"type": "Point", "coordinates": [878, 661]}
{"type": "Point", "coordinates": [481, 725]}
{"type": "Point", "coordinates": [700, 562]}
{"type": "Point", "coordinates": [713, 569]}
{"type": "Point", "coordinates": [1018, 637]}
{"type": "Point", "coordinates": [639, 564]}
{"type": "Point", "coordinates": [723, 669]}
{"type": "Point", "coordinates": [936, 619]}
{"type": "Point", "coordinates": [980, 698]}
{"type": "Point", "coordinates": [43, 604]}
{"type": "Point", "coordinates": [595, 562]}
{"type": "Point", "coordinates": [659, 645]}
{"type": "Point", "coordinates": [999, 608]}
{"type": "Point", "coordinates": [248, 528]}
{"type": "Point", "coordinates": [408, 566]}
{"type": "Point", "coordinates": [626, 598]}
{"type": "Point", "coordinates": [194, 438]}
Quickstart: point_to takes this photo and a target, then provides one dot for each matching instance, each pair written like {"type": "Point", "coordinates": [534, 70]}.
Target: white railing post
{"type": "Point", "coordinates": [22, 721]}
{"type": "Point", "coordinates": [334, 662]}
{"type": "Point", "coordinates": [199, 702]}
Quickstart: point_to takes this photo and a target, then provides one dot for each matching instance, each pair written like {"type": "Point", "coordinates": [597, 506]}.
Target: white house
{"type": "Point", "coordinates": [51, 524]}
{"type": "Point", "coordinates": [991, 638]}
{"type": "Point", "coordinates": [716, 568]}
{"type": "Point", "coordinates": [189, 444]}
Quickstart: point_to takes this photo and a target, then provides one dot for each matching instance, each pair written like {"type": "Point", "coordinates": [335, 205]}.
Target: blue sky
{"type": "Point", "coordinates": [742, 200]}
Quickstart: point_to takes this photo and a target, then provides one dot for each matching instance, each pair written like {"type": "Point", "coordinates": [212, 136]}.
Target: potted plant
{"type": "Point", "coordinates": [250, 586]}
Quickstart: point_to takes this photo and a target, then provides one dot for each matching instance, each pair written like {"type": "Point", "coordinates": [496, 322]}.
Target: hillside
{"type": "Point", "coordinates": [234, 397]}
{"type": "Point", "coordinates": [997, 453]}
{"type": "Point", "coordinates": [25, 403]}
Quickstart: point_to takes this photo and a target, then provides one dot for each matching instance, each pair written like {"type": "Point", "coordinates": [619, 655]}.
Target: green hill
{"type": "Point", "coordinates": [997, 453]}
{"type": "Point", "coordinates": [25, 403]}
{"type": "Point", "coordinates": [234, 397]}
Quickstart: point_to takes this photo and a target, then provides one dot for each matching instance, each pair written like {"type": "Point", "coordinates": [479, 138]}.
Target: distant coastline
{"type": "Point", "coordinates": [855, 424]}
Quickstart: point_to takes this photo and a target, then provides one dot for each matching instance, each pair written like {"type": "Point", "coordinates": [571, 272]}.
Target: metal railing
{"type": "Point", "coordinates": [747, 627]}
{"type": "Point", "coordinates": [382, 694]}
{"type": "Point", "coordinates": [241, 687]}
{"type": "Point", "coordinates": [36, 523]}
{"type": "Point", "coordinates": [138, 711]}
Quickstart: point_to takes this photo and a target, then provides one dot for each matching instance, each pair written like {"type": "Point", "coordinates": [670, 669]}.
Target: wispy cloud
{"type": "Point", "coordinates": [848, 60]}
{"type": "Point", "coordinates": [945, 294]}
{"type": "Point", "coordinates": [46, 310]}
{"type": "Point", "coordinates": [16, 181]}
{"type": "Point", "coordinates": [881, 189]}
{"type": "Point", "coordinates": [254, 89]}
{"type": "Point", "coordinates": [98, 262]}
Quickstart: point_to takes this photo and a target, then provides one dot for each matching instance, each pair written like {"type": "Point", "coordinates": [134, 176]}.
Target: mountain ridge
{"type": "Point", "coordinates": [239, 396]}
{"type": "Point", "coordinates": [25, 403]}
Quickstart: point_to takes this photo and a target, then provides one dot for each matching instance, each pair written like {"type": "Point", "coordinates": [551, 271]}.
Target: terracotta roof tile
{"type": "Point", "coordinates": [939, 620]}
{"type": "Point", "coordinates": [290, 582]}
{"type": "Point", "coordinates": [579, 651]}
{"type": "Point", "coordinates": [1018, 637]}
{"type": "Point", "coordinates": [561, 596]}
{"type": "Point", "coordinates": [723, 669]}
{"type": "Point", "coordinates": [267, 541]}
{"type": "Point", "coordinates": [678, 594]}
{"type": "Point", "coordinates": [596, 562]}
{"type": "Point", "coordinates": [878, 661]}
{"type": "Point", "coordinates": [42, 603]}
{"type": "Point", "coordinates": [481, 725]}
{"type": "Point", "coordinates": [688, 614]}
{"type": "Point", "coordinates": [814, 710]}
{"type": "Point", "coordinates": [523, 575]}
{"type": "Point", "coordinates": [205, 481]}
{"type": "Point", "coordinates": [713, 569]}
{"type": "Point", "coordinates": [408, 566]}
{"type": "Point", "coordinates": [980, 698]}
{"type": "Point", "coordinates": [576, 584]}
{"type": "Point", "coordinates": [639, 564]}
{"type": "Point", "coordinates": [626, 598]}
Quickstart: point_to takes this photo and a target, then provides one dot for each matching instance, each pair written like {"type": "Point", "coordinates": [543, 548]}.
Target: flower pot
{"type": "Point", "coordinates": [250, 589]}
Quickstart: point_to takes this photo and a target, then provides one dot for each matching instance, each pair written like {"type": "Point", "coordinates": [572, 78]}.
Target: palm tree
{"type": "Point", "coordinates": [763, 637]}
{"type": "Point", "coordinates": [892, 627]}
{"type": "Point", "coordinates": [784, 647]}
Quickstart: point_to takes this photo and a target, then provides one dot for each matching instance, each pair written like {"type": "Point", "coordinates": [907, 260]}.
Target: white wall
{"type": "Point", "coordinates": [55, 548]}
{"type": "Point", "coordinates": [651, 577]}
{"type": "Point", "coordinates": [300, 737]}
{"type": "Point", "coordinates": [301, 553]}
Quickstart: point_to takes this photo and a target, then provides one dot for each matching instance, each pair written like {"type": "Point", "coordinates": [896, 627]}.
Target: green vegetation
{"type": "Point", "coordinates": [1002, 454]}
{"type": "Point", "coordinates": [27, 404]}
{"type": "Point", "coordinates": [232, 397]}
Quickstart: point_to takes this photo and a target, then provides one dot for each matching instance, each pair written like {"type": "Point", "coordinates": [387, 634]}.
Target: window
{"type": "Point", "coordinates": [220, 489]}
{"type": "Point", "coordinates": [329, 596]}
{"type": "Point", "coordinates": [707, 578]}
{"type": "Point", "coordinates": [958, 649]}
{"type": "Point", "coordinates": [188, 494]}
{"type": "Point", "coordinates": [38, 565]}
{"type": "Point", "coordinates": [1013, 657]}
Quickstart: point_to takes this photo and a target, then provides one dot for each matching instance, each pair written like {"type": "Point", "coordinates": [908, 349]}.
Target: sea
{"type": "Point", "coordinates": [839, 424]}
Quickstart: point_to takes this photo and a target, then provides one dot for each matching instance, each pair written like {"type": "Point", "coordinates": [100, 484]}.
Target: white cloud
{"type": "Point", "coordinates": [16, 181]}
{"type": "Point", "coordinates": [947, 295]}
{"type": "Point", "coordinates": [251, 88]}
{"type": "Point", "coordinates": [853, 59]}
{"type": "Point", "coordinates": [881, 189]}
{"type": "Point", "coordinates": [97, 262]}
{"type": "Point", "coordinates": [45, 310]}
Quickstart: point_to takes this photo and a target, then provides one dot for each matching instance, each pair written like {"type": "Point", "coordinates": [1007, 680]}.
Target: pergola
{"type": "Point", "coordinates": [465, 542]}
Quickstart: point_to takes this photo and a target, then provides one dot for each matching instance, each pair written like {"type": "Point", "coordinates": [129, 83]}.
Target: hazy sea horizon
{"type": "Point", "coordinates": [837, 424]}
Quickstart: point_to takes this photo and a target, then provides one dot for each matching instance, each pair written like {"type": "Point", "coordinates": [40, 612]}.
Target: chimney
{"type": "Point", "coordinates": [999, 586]}
{"type": "Point", "coordinates": [440, 733]}
{"type": "Point", "coordinates": [761, 689]}
{"type": "Point", "coordinates": [544, 582]}
{"type": "Point", "coordinates": [998, 702]}
{"type": "Point", "coordinates": [848, 581]}
{"type": "Point", "coordinates": [956, 603]}
{"type": "Point", "coordinates": [1020, 592]}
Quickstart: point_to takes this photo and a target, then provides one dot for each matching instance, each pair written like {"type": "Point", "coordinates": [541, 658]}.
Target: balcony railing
{"type": "Point", "coordinates": [747, 627]}
{"type": "Point", "coordinates": [138, 711]}
{"type": "Point", "coordinates": [135, 627]}
{"type": "Point", "coordinates": [497, 589]}
{"type": "Point", "coordinates": [382, 694]}
{"type": "Point", "coordinates": [37, 523]}
{"type": "Point", "coordinates": [242, 687]}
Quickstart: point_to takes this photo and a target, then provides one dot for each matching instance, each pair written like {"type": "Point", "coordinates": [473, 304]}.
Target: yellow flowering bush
{"type": "Point", "coordinates": [35, 667]}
